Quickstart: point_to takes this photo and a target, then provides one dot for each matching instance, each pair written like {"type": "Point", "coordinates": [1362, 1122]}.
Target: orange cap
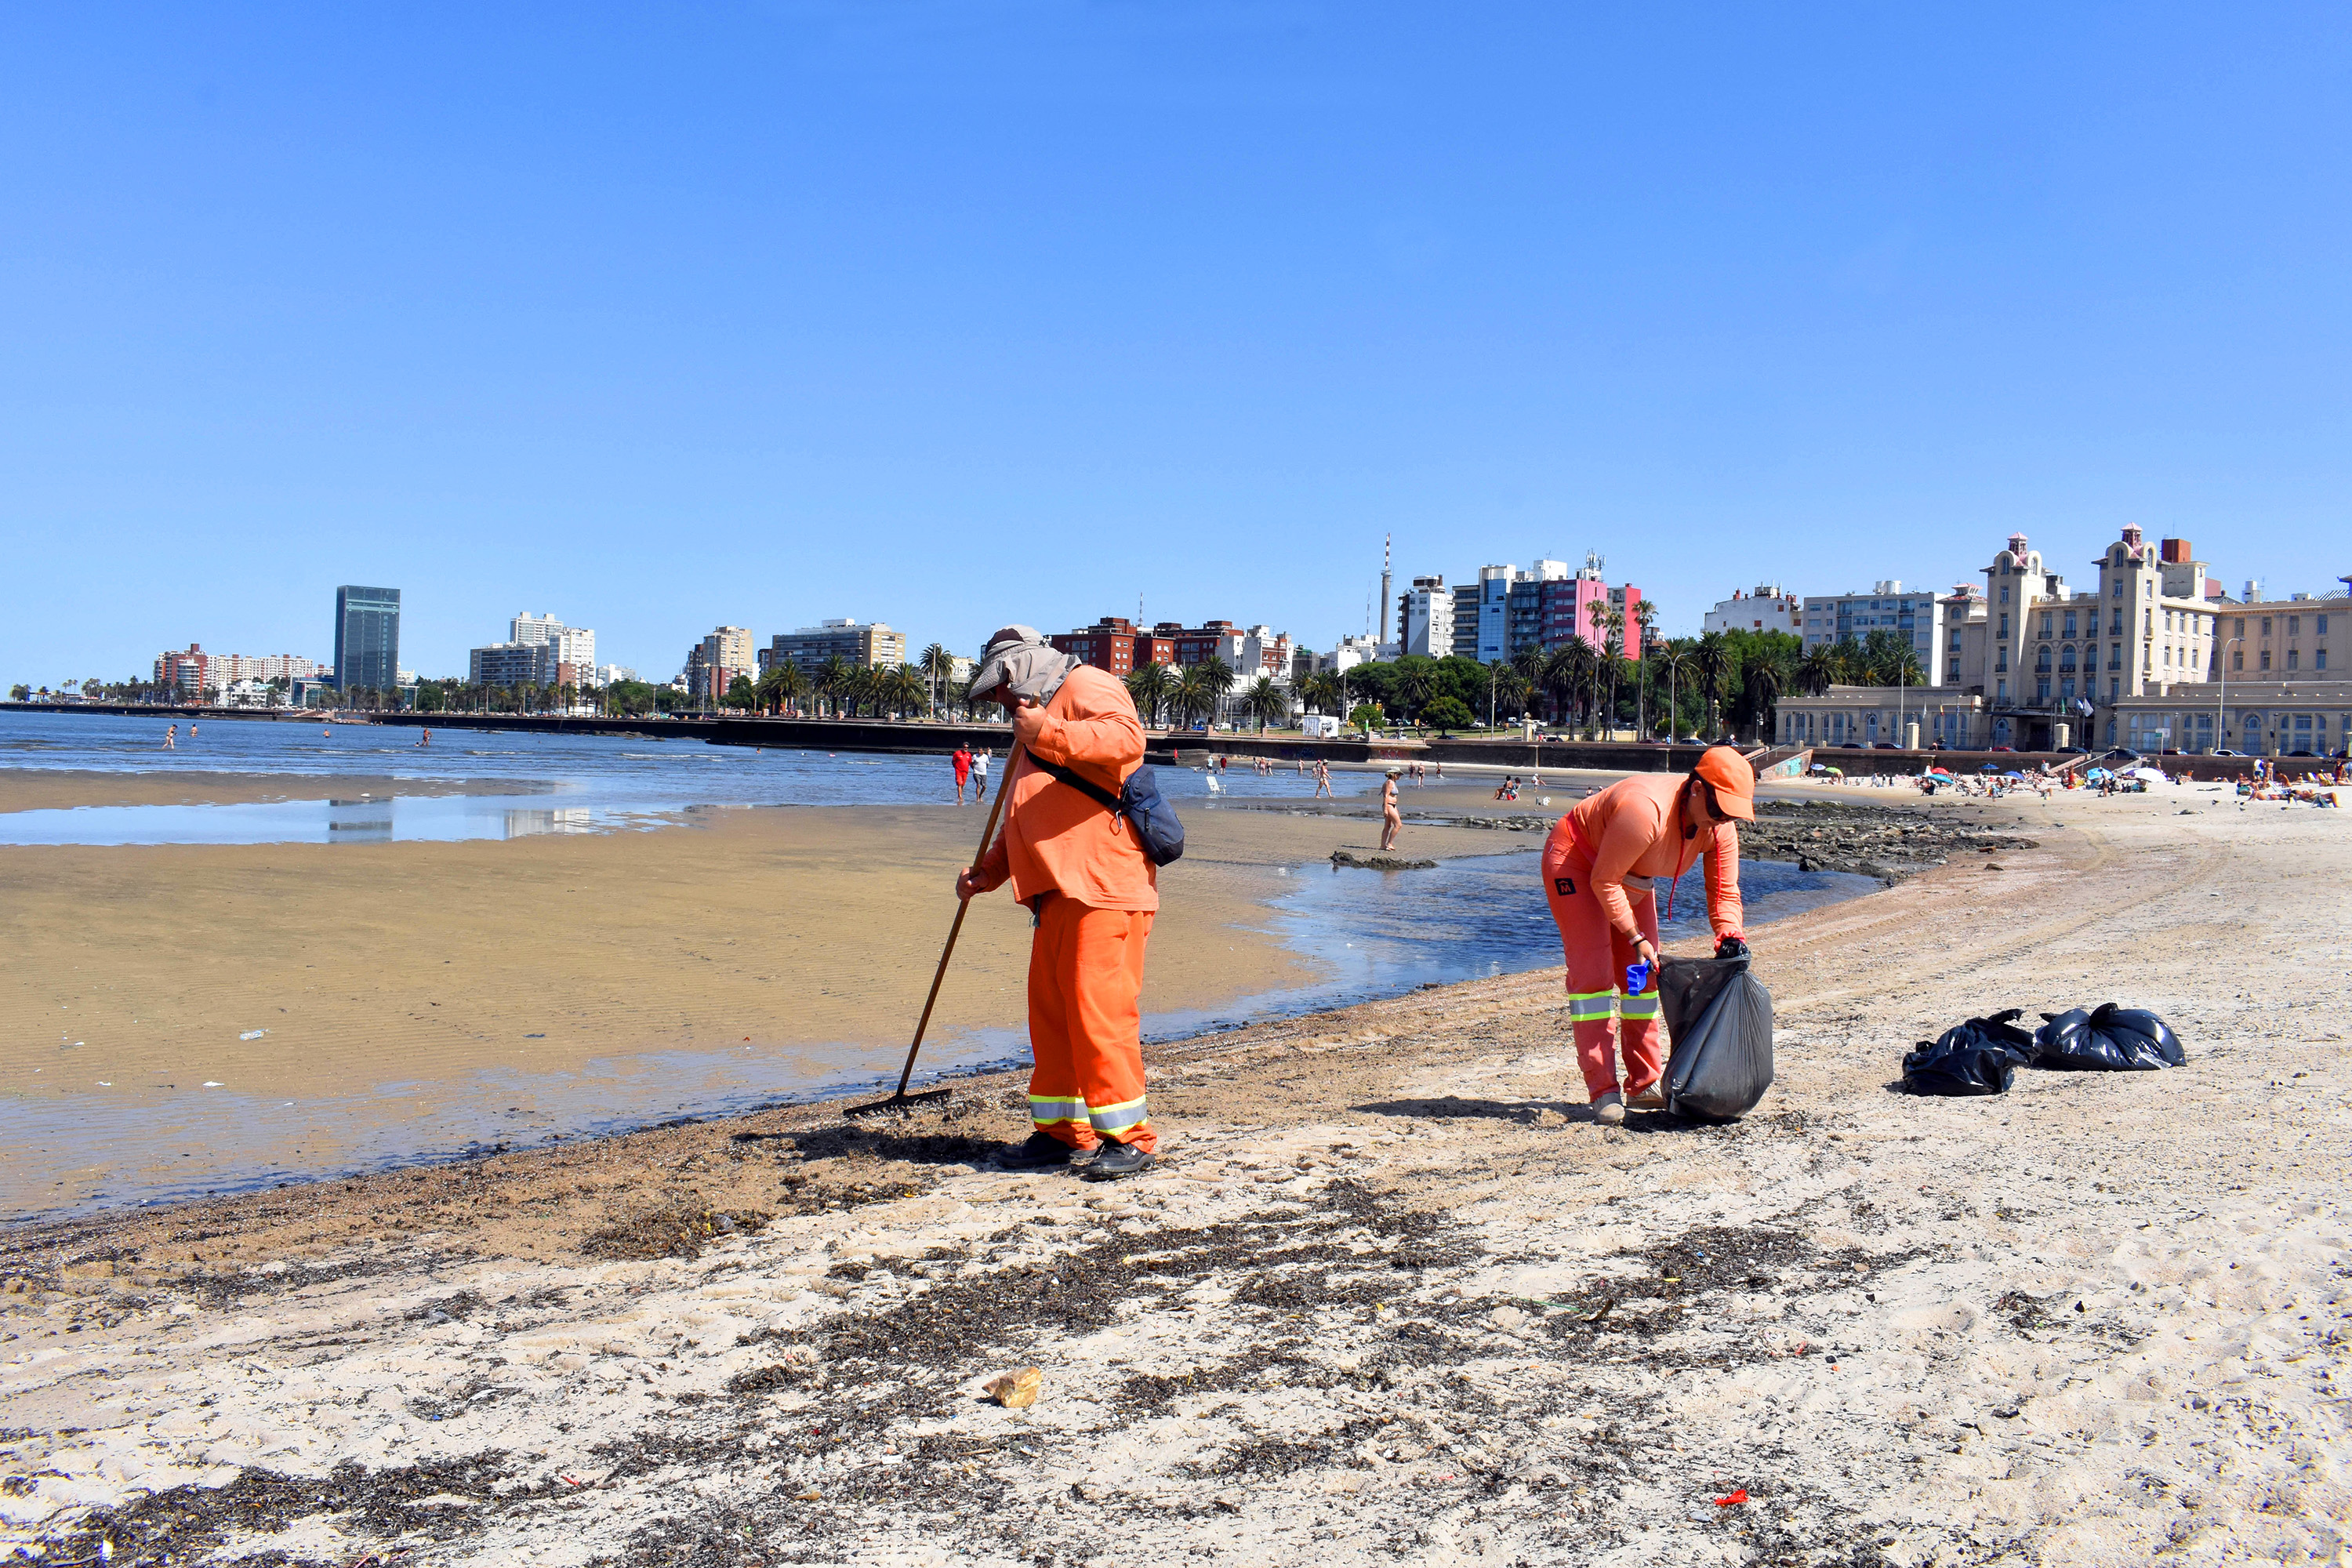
{"type": "Point", "coordinates": [1734, 780]}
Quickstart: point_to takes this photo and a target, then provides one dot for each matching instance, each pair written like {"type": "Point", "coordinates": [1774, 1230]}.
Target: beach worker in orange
{"type": "Point", "coordinates": [1600, 865]}
{"type": "Point", "coordinates": [1093, 890]}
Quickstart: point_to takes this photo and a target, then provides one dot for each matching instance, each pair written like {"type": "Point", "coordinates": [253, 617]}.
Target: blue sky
{"type": "Point", "coordinates": [948, 314]}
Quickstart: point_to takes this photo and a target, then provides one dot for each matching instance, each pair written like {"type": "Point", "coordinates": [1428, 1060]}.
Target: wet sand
{"type": "Point", "coordinates": [451, 992]}
{"type": "Point", "coordinates": [39, 789]}
{"type": "Point", "coordinates": [1391, 1294]}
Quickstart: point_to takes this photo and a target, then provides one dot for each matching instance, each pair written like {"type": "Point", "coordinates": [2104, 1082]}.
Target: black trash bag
{"type": "Point", "coordinates": [1719, 1017]}
{"type": "Point", "coordinates": [2108, 1039]}
{"type": "Point", "coordinates": [1980, 1057]}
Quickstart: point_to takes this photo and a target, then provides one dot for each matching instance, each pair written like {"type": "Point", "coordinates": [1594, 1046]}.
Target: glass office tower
{"type": "Point", "coordinates": [367, 639]}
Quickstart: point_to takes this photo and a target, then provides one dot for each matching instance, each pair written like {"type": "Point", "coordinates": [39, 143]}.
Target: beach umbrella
{"type": "Point", "coordinates": [2150, 774]}
{"type": "Point", "coordinates": [2012, 774]}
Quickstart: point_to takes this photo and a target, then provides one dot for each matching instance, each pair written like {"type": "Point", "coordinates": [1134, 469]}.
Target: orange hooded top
{"type": "Point", "coordinates": [1629, 834]}
{"type": "Point", "coordinates": [1058, 840]}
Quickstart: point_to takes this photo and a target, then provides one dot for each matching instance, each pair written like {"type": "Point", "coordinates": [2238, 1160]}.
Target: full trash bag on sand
{"type": "Point", "coordinates": [2108, 1039]}
{"type": "Point", "coordinates": [1980, 1057]}
{"type": "Point", "coordinates": [1719, 1017]}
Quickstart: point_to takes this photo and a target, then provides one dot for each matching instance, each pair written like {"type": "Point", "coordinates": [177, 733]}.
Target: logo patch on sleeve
{"type": "Point", "coordinates": [1567, 886]}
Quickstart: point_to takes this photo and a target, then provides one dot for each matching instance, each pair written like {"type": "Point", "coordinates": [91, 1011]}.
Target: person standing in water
{"type": "Point", "coordinates": [172, 739]}
{"type": "Point", "coordinates": [1323, 779]}
{"type": "Point", "coordinates": [979, 777]}
{"type": "Point", "coordinates": [1390, 823]}
{"type": "Point", "coordinates": [961, 759]}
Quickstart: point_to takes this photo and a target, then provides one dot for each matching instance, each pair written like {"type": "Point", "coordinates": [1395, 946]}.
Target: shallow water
{"type": "Point", "coordinates": [1372, 933]}
{"type": "Point", "coordinates": [597, 782]}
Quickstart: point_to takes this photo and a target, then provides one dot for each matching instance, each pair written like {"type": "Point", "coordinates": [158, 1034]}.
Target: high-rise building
{"type": "Point", "coordinates": [1425, 618]}
{"type": "Point", "coordinates": [575, 645]}
{"type": "Point", "coordinates": [367, 639]}
{"type": "Point", "coordinates": [1917, 616]}
{"type": "Point", "coordinates": [870, 645]}
{"type": "Point", "coordinates": [517, 664]}
{"type": "Point", "coordinates": [1465, 622]}
{"type": "Point", "coordinates": [712, 664]}
{"type": "Point", "coordinates": [614, 673]}
{"type": "Point", "coordinates": [1495, 613]}
{"type": "Point", "coordinates": [188, 674]}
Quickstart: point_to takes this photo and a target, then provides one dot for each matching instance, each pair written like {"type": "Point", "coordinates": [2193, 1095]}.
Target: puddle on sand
{"type": "Point", "coordinates": [1373, 933]}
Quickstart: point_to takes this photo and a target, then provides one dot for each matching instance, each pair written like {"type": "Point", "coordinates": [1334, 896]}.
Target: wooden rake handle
{"type": "Point", "coordinates": [987, 834]}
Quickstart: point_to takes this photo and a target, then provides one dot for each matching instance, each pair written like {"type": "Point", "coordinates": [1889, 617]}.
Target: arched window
{"type": "Point", "coordinates": [2041, 658]}
{"type": "Point", "coordinates": [2066, 659]}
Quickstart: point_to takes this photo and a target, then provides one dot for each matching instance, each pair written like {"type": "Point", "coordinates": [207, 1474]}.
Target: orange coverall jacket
{"type": "Point", "coordinates": [1629, 830]}
{"type": "Point", "coordinates": [1055, 839]}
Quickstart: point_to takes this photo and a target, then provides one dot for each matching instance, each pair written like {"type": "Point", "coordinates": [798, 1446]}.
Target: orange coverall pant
{"type": "Point", "coordinates": [1597, 957]}
{"type": "Point", "coordinates": [1086, 974]}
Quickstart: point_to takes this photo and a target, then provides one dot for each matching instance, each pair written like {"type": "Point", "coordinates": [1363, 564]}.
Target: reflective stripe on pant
{"type": "Point", "coordinates": [1596, 958]}
{"type": "Point", "coordinates": [1086, 973]}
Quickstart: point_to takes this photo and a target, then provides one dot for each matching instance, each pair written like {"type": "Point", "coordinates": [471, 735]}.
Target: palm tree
{"type": "Point", "coordinates": [1715, 665]}
{"type": "Point", "coordinates": [1267, 699]}
{"type": "Point", "coordinates": [1322, 691]}
{"type": "Point", "coordinates": [1416, 685]}
{"type": "Point", "coordinates": [1219, 677]}
{"type": "Point", "coordinates": [1765, 679]}
{"type": "Point", "coordinates": [1672, 662]}
{"type": "Point", "coordinates": [833, 679]}
{"type": "Point", "coordinates": [1197, 690]}
{"type": "Point", "coordinates": [938, 665]}
{"type": "Point", "coordinates": [1818, 670]}
{"type": "Point", "coordinates": [908, 688]}
{"type": "Point", "coordinates": [1151, 685]}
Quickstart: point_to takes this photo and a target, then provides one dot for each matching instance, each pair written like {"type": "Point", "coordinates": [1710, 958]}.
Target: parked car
{"type": "Point", "coordinates": [2225, 751]}
{"type": "Point", "coordinates": [2073, 752]}
{"type": "Point", "coordinates": [2004, 748]}
{"type": "Point", "coordinates": [2305, 752]}
{"type": "Point", "coordinates": [1884, 746]}
{"type": "Point", "coordinates": [1849, 746]}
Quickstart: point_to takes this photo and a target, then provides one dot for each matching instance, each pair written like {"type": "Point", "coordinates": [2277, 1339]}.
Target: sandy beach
{"type": "Point", "coordinates": [1393, 1294]}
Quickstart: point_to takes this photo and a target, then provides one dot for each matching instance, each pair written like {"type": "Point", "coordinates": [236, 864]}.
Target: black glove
{"type": "Point", "coordinates": [1732, 947]}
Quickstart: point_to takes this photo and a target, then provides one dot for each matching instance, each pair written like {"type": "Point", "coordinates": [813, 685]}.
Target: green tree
{"type": "Point", "coordinates": [20, 692]}
{"type": "Point", "coordinates": [1817, 671]}
{"type": "Point", "coordinates": [834, 678]}
{"type": "Point", "coordinates": [1217, 676]}
{"type": "Point", "coordinates": [1151, 685]}
{"type": "Point", "coordinates": [1448, 713]}
{"type": "Point", "coordinates": [1717, 666]}
{"type": "Point", "coordinates": [1416, 687]}
{"type": "Point", "coordinates": [1321, 691]}
{"type": "Point", "coordinates": [938, 665]}
{"type": "Point", "coordinates": [1268, 701]}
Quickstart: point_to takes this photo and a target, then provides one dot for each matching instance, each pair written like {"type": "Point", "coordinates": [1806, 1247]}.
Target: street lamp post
{"type": "Point", "coordinates": [2220, 718]}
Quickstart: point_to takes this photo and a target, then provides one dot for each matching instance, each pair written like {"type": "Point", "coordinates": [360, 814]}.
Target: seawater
{"type": "Point", "coordinates": [559, 784]}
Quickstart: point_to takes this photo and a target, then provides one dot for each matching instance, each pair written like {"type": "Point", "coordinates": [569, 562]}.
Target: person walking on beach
{"type": "Point", "coordinates": [172, 739]}
{"type": "Point", "coordinates": [1322, 779]}
{"type": "Point", "coordinates": [1093, 892]}
{"type": "Point", "coordinates": [1600, 865]}
{"type": "Point", "coordinates": [963, 760]}
{"type": "Point", "coordinates": [1390, 823]}
{"type": "Point", "coordinates": [979, 777]}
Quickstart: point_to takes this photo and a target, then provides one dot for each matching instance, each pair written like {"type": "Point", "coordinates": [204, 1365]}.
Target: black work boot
{"type": "Point", "coordinates": [1041, 1152]}
{"type": "Point", "coordinates": [1118, 1160]}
